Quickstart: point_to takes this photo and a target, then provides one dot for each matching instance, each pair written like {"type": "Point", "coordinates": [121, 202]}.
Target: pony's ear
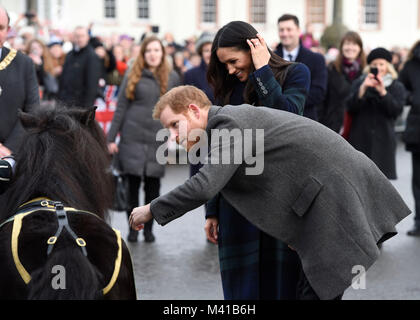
{"type": "Point", "coordinates": [91, 115]}
{"type": "Point", "coordinates": [28, 120]}
{"type": "Point", "coordinates": [85, 116]}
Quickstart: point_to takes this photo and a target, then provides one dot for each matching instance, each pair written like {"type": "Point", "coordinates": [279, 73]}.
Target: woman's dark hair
{"type": "Point", "coordinates": [234, 35]}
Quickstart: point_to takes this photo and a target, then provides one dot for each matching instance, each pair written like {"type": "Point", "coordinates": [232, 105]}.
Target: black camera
{"type": "Point", "coordinates": [374, 71]}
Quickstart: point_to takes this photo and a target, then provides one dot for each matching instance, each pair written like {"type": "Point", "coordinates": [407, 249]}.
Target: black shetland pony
{"type": "Point", "coordinates": [54, 239]}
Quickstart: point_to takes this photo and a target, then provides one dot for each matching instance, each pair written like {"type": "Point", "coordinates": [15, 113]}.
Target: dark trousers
{"type": "Point", "coordinates": [151, 192]}
{"type": "Point", "coordinates": [416, 186]}
{"type": "Point", "coordinates": [304, 290]}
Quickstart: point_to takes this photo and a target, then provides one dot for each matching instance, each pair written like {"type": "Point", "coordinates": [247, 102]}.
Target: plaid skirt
{"type": "Point", "coordinates": [254, 265]}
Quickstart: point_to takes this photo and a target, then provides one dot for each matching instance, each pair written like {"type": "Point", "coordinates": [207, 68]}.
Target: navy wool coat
{"type": "Point", "coordinates": [319, 77]}
{"type": "Point", "coordinates": [198, 77]}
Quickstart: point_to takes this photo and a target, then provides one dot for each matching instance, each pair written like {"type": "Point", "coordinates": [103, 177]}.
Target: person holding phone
{"type": "Point", "coordinates": [377, 99]}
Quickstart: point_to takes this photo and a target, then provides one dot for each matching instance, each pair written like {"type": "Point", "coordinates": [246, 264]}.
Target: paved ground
{"type": "Point", "coordinates": [182, 265]}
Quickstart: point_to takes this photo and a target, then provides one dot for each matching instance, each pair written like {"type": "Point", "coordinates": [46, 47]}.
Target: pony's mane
{"type": "Point", "coordinates": [63, 157]}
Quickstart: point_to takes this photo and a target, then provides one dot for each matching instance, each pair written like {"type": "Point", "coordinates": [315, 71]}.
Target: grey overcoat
{"type": "Point", "coordinates": [316, 193]}
{"type": "Point", "coordinates": [134, 121]}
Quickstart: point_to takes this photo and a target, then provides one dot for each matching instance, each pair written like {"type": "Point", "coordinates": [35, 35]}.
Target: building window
{"type": "Point", "coordinates": [316, 11]}
{"type": "Point", "coordinates": [258, 10]}
{"type": "Point", "coordinates": [370, 15]}
{"type": "Point", "coordinates": [208, 11]}
{"type": "Point", "coordinates": [143, 9]}
{"type": "Point", "coordinates": [110, 9]}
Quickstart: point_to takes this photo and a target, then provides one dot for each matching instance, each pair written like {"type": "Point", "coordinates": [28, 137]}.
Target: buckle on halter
{"type": "Point", "coordinates": [52, 240]}
{"type": "Point", "coordinates": [81, 242]}
{"type": "Point", "coordinates": [44, 203]}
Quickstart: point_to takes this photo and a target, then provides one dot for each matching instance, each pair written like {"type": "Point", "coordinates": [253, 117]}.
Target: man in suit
{"type": "Point", "coordinates": [291, 49]}
{"type": "Point", "coordinates": [79, 82]}
{"type": "Point", "coordinates": [18, 90]}
{"type": "Point", "coordinates": [315, 192]}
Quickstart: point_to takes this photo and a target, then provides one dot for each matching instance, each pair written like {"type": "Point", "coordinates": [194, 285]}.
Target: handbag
{"type": "Point", "coordinates": [120, 201]}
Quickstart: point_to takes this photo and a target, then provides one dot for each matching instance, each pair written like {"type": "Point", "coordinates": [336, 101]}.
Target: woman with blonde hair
{"type": "Point", "coordinates": [149, 78]}
{"type": "Point", "coordinates": [376, 101]}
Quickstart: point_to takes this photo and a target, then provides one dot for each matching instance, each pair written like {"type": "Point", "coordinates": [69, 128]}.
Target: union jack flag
{"type": "Point", "coordinates": [106, 107]}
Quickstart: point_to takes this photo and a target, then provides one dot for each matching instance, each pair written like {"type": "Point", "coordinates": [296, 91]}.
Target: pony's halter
{"type": "Point", "coordinates": [45, 204]}
{"type": "Point", "coordinates": [63, 223]}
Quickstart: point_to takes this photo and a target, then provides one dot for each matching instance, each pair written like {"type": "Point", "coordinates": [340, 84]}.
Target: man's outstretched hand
{"type": "Point", "coordinates": [139, 216]}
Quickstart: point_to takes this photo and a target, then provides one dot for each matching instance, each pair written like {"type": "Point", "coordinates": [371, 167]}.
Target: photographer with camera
{"type": "Point", "coordinates": [377, 99]}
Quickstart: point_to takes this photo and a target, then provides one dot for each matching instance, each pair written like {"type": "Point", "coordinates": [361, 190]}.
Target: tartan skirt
{"type": "Point", "coordinates": [254, 265]}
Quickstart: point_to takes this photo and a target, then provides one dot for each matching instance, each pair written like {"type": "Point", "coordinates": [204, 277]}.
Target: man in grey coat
{"type": "Point", "coordinates": [315, 192]}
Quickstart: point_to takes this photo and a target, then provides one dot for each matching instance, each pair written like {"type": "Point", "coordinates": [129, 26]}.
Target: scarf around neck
{"type": "Point", "coordinates": [351, 69]}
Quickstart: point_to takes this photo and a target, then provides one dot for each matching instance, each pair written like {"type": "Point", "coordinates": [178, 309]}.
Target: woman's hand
{"type": "Point", "coordinates": [259, 52]}
{"type": "Point", "coordinates": [369, 82]}
{"type": "Point", "coordinates": [372, 82]}
{"type": "Point", "coordinates": [36, 59]}
{"type": "Point", "coordinates": [112, 148]}
{"type": "Point", "coordinates": [212, 229]}
{"type": "Point", "coordinates": [380, 86]}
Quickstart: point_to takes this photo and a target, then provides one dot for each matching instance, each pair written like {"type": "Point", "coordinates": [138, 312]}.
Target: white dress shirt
{"type": "Point", "coordinates": [291, 55]}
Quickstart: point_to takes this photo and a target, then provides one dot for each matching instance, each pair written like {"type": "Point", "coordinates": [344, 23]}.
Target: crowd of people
{"type": "Point", "coordinates": [48, 47]}
{"type": "Point", "coordinates": [355, 93]}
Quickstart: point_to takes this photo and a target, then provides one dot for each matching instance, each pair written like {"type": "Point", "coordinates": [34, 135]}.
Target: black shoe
{"type": "Point", "coordinates": [415, 232]}
{"type": "Point", "coordinates": [149, 237]}
{"type": "Point", "coordinates": [132, 236]}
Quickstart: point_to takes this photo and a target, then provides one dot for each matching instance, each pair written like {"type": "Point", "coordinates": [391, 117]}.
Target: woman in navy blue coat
{"type": "Point", "coordinates": [242, 69]}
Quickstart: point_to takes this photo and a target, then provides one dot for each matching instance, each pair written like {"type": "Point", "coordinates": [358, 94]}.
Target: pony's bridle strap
{"type": "Point", "coordinates": [61, 211]}
{"type": "Point", "coordinates": [63, 223]}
